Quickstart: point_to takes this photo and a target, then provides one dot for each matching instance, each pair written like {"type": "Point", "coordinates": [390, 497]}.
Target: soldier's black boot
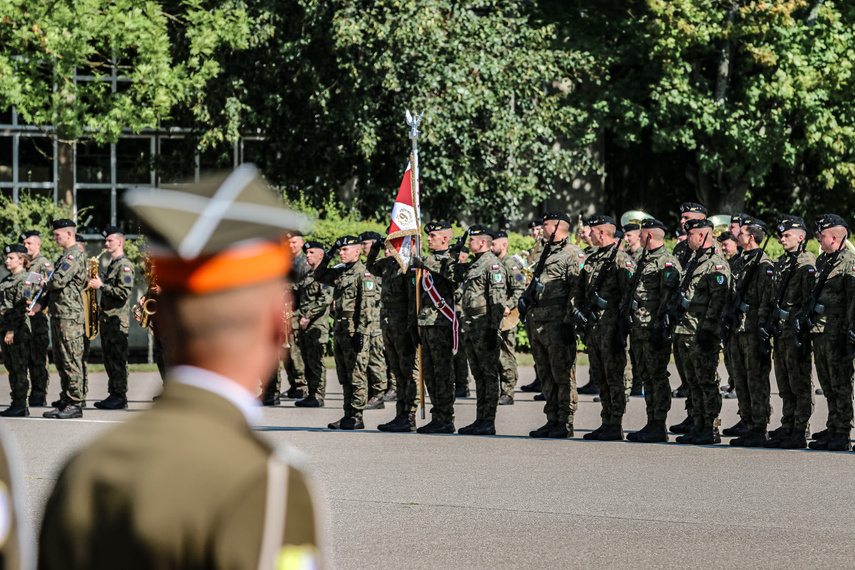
{"type": "Point", "coordinates": [757, 437]}
{"type": "Point", "coordinates": [736, 430]}
{"type": "Point", "coordinates": [589, 389]}
{"type": "Point", "coordinates": [840, 442]}
{"type": "Point", "coordinates": [707, 435]}
{"type": "Point", "coordinates": [310, 401]}
{"type": "Point", "coordinates": [486, 428]}
{"type": "Point", "coordinates": [533, 387]}
{"type": "Point", "coordinates": [352, 423]}
{"type": "Point", "coordinates": [633, 436]}
{"type": "Point", "coordinates": [428, 427]}
{"type": "Point", "coordinates": [656, 434]}
{"type": "Point", "coordinates": [543, 431]}
{"type": "Point", "coordinates": [400, 419]}
{"type": "Point", "coordinates": [15, 410]}
{"type": "Point", "coordinates": [470, 429]}
{"type": "Point", "coordinates": [777, 436]}
{"type": "Point", "coordinates": [69, 412]}
{"type": "Point", "coordinates": [114, 402]}
{"type": "Point", "coordinates": [819, 434]}
{"type": "Point", "coordinates": [613, 432]}
{"type": "Point", "coordinates": [688, 437]}
{"type": "Point", "coordinates": [407, 424]}
{"type": "Point", "coordinates": [337, 424]}
{"type": "Point", "coordinates": [822, 442]}
{"type": "Point", "coordinates": [796, 440]}
{"type": "Point", "coordinates": [684, 426]}
{"type": "Point", "coordinates": [561, 430]}
{"type": "Point", "coordinates": [595, 435]}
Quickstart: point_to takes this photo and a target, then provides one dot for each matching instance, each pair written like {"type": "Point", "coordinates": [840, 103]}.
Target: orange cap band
{"type": "Point", "coordinates": [235, 267]}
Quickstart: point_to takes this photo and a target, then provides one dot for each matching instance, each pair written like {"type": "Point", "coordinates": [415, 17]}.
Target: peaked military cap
{"type": "Point", "coordinates": [752, 221]}
{"type": "Point", "coordinates": [786, 223]}
{"type": "Point", "coordinates": [725, 236]}
{"type": "Point", "coordinates": [692, 207]}
{"type": "Point", "coordinates": [499, 234]}
{"type": "Point", "coordinates": [110, 230]}
{"type": "Point", "coordinates": [223, 232]}
{"type": "Point", "coordinates": [29, 234]}
{"type": "Point", "coordinates": [697, 224]}
{"type": "Point", "coordinates": [15, 248]}
{"type": "Point", "coordinates": [633, 227]}
{"type": "Point", "coordinates": [556, 215]}
{"type": "Point", "coordinates": [825, 221]}
{"type": "Point", "coordinates": [436, 226]}
{"type": "Point", "coordinates": [537, 222]}
{"type": "Point", "coordinates": [602, 220]}
{"type": "Point", "coordinates": [479, 230]}
{"type": "Point", "coordinates": [62, 223]}
{"type": "Point", "coordinates": [348, 240]}
{"type": "Point", "coordinates": [365, 236]}
{"type": "Point", "coordinates": [312, 244]}
{"type": "Point", "coordinates": [653, 224]}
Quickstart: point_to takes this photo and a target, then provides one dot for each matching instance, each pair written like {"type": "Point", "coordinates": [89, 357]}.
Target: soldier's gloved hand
{"type": "Point", "coordinates": [580, 318]}
{"type": "Point", "coordinates": [491, 340]}
{"type": "Point", "coordinates": [358, 341]}
{"type": "Point", "coordinates": [416, 261]}
{"type": "Point", "coordinates": [657, 338]}
{"type": "Point", "coordinates": [706, 340]}
{"type": "Point", "coordinates": [568, 333]}
{"type": "Point", "coordinates": [375, 247]}
{"type": "Point", "coordinates": [765, 336]}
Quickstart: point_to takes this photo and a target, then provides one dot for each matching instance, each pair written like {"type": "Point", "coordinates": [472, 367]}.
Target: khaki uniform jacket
{"type": "Point", "coordinates": [515, 281]}
{"type": "Point", "coordinates": [186, 485]}
{"type": "Point", "coordinates": [799, 287]}
{"type": "Point", "coordinates": [65, 288]}
{"type": "Point", "coordinates": [313, 302]}
{"type": "Point", "coordinates": [16, 292]}
{"type": "Point", "coordinates": [707, 294]}
{"type": "Point", "coordinates": [758, 295]}
{"type": "Point", "coordinates": [116, 291]}
{"type": "Point", "coordinates": [614, 285]}
{"type": "Point", "coordinates": [355, 295]}
{"type": "Point", "coordinates": [838, 294]}
{"type": "Point", "coordinates": [483, 290]}
{"type": "Point", "coordinates": [654, 292]}
{"type": "Point", "coordinates": [560, 274]}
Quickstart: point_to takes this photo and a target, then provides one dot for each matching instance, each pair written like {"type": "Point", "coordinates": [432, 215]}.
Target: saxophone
{"type": "Point", "coordinates": [148, 306]}
{"type": "Point", "coordinates": [91, 310]}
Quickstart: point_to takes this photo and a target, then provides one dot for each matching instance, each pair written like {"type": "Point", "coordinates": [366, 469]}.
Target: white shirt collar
{"type": "Point", "coordinates": [222, 386]}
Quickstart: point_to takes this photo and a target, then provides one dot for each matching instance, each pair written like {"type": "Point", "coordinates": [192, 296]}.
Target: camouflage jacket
{"type": "Point", "coordinates": [15, 293]}
{"type": "Point", "coordinates": [116, 291]}
{"type": "Point", "coordinates": [682, 252]}
{"type": "Point", "coordinates": [655, 289]}
{"type": "Point", "coordinates": [613, 287]}
{"type": "Point", "coordinates": [397, 296]}
{"type": "Point", "coordinates": [706, 295]}
{"type": "Point", "coordinates": [429, 315]}
{"type": "Point", "coordinates": [837, 299]}
{"type": "Point", "coordinates": [313, 300]}
{"type": "Point", "coordinates": [65, 288]}
{"type": "Point", "coordinates": [799, 287]}
{"type": "Point", "coordinates": [560, 275]}
{"type": "Point", "coordinates": [515, 281]}
{"type": "Point", "coordinates": [636, 255]}
{"type": "Point", "coordinates": [757, 296]}
{"type": "Point", "coordinates": [483, 290]}
{"type": "Point", "coordinates": [354, 295]}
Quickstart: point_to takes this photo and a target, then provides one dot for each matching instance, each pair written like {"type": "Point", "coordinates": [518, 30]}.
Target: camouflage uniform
{"type": "Point", "coordinates": [706, 297]}
{"type": "Point", "coordinates": [792, 364]}
{"type": "Point", "coordinates": [397, 302]}
{"type": "Point", "coordinates": [607, 357]}
{"type": "Point", "coordinates": [16, 292]}
{"type": "Point", "coordinates": [483, 304]}
{"type": "Point", "coordinates": [735, 263]}
{"type": "Point", "coordinates": [654, 292]}
{"type": "Point", "coordinates": [65, 302]}
{"type": "Point", "coordinates": [630, 372]}
{"type": "Point", "coordinates": [834, 367]}
{"type": "Point", "coordinates": [115, 293]}
{"type": "Point", "coordinates": [554, 354]}
{"type": "Point", "coordinates": [40, 339]}
{"type": "Point", "coordinates": [751, 369]}
{"type": "Point", "coordinates": [313, 302]}
{"type": "Point", "coordinates": [378, 376]}
{"type": "Point", "coordinates": [354, 297]}
{"type": "Point", "coordinates": [507, 357]}
{"type": "Point", "coordinates": [683, 253]}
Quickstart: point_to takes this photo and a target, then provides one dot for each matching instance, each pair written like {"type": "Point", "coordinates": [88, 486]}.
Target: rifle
{"type": "Point", "coordinates": [803, 321]}
{"type": "Point", "coordinates": [528, 300]}
{"type": "Point", "coordinates": [771, 325]}
{"type": "Point", "coordinates": [680, 303]}
{"type": "Point", "coordinates": [586, 314]}
{"type": "Point", "coordinates": [737, 306]}
{"type": "Point", "coordinates": [636, 277]}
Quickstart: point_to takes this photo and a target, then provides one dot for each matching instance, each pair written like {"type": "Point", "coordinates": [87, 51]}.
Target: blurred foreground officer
{"type": "Point", "coordinates": [16, 540]}
{"type": "Point", "coordinates": [187, 484]}
{"type": "Point", "coordinates": [38, 323]}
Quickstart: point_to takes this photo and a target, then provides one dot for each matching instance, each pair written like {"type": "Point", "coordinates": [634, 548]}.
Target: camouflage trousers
{"type": "Point", "coordinates": [294, 366]}
{"type": "Point", "coordinates": [16, 358]}
{"type": "Point", "coordinates": [114, 344]}
{"type": "Point", "coordinates": [38, 358]}
{"type": "Point", "coordinates": [67, 341]}
{"type": "Point", "coordinates": [700, 369]}
{"type": "Point", "coordinates": [679, 362]}
{"type": "Point", "coordinates": [555, 362]}
{"type": "Point", "coordinates": [508, 361]}
{"type": "Point", "coordinates": [461, 365]}
{"type": "Point", "coordinates": [651, 366]}
{"type": "Point", "coordinates": [834, 369]}
{"type": "Point", "coordinates": [607, 371]}
{"type": "Point", "coordinates": [751, 372]}
{"type": "Point", "coordinates": [378, 377]}
{"type": "Point", "coordinates": [351, 366]}
{"type": "Point", "coordinates": [795, 386]}
{"type": "Point", "coordinates": [484, 362]}
{"type": "Point", "coordinates": [437, 370]}
{"type": "Point", "coordinates": [313, 346]}
{"type": "Point", "coordinates": [728, 361]}
{"type": "Point", "coordinates": [402, 367]}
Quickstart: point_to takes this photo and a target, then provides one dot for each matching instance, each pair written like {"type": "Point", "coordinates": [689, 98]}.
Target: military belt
{"type": "Point", "coordinates": [475, 312]}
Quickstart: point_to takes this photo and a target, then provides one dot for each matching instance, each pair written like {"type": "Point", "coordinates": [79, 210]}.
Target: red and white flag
{"type": "Point", "coordinates": [406, 218]}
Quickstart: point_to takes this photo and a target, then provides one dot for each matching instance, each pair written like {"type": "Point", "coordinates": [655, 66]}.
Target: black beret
{"type": "Point", "coordinates": [366, 236]}
{"type": "Point", "coordinates": [312, 244]}
{"type": "Point", "coordinates": [29, 234]}
{"type": "Point", "coordinates": [437, 226]}
{"type": "Point", "coordinates": [110, 230]}
{"type": "Point", "coordinates": [347, 240]}
{"type": "Point", "coordinates": [825, 221]}
{"type": "Point", "coordinates": [790, 223]}
{"type": "Point", "coordinates": [79, 238]}
{"type": "Point", "coordinates": [633, 227]}
{"type": "Point", "coordinates": [479, 230]}
{"type": "Point", "coordinates": [62, 223]}
{"type": "Point", "coordinates": [737, 218]}
{"type": "Point", "coordinates": [725, 236]}
{"type": "Point", "coordinates": [653, 224]}
{"type": "Point", "coordinates": [556, 215]}
{"type": "Point", "coordinates": [535, 223]}
{"type": "Point", "coordinates": [752, 221]}
{"type": "Point", "coordinates": [499, 234]}
{"type": "Point", "coordinates": [16, 248]}
{"type": "Point", "coordinates": [692, 207]}
{"type": "Point", "coordinates": [464, 249]}
{"type": "Point", "coordinates": [602, 220]}
{"type": "Point", "coordinates": [697, 224]}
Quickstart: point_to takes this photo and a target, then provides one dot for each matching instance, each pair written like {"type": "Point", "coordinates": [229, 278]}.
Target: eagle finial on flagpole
{"type": "Point", "coordinates": [414, 120]}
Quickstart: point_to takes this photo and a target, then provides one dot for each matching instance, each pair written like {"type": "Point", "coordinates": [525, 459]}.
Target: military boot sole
{"type": "Point", "coordinates": [407, 428]}
{"type": "Point", "coordinates": [470, 429]}
{"type": "Point", "coordinates": [561, 432]}
{"type": "Point", "coordinates": [485, 430]}
{"type": "Point", "coordinates": [793, 443]}
{"type": "Point", "coordinates": [839, 445]}
{"type": "Point", "coordinates": [653, 438]}
{"type": "Point", "coordinates": [611, 436]}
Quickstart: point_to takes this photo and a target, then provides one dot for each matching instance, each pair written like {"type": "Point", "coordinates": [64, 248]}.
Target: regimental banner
{"type": "Point", "coordinates": [405, 225]}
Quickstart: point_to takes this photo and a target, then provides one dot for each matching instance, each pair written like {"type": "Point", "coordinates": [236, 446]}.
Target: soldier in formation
{"type": "Point", "coordinates": [515, 285]}
{"type": "Point", "coordinates": [40, 331]}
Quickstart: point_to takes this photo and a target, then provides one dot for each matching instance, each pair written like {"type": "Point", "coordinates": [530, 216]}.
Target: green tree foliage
{"type": "Point", "coordinates": [32, 212]}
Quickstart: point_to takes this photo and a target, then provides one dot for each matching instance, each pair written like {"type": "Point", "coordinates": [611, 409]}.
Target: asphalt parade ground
{"type": "Point", "coordinates": [508, 501]}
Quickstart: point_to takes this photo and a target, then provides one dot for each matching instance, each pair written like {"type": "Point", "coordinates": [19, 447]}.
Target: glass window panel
{"type": "Point", "coordinates": [6, 116]}
{"type": "Point", "coordinates": [125, 218]}
{"type": "Point", "coordinates": [93, 163]}
{"type": "Point", "coordinates": [98, 215]}
{"type": "Point", "coordinates": [133, 161]}
{"type": "Point", "coordinates": [35, 160]}
{"type": "Point", "coordinates": [6, 158]}
{"type": "Point", "coordinates": [177, 160]}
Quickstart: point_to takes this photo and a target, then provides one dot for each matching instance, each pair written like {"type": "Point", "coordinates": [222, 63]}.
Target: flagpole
{"type": "Point", "coordinates": [413, 120]}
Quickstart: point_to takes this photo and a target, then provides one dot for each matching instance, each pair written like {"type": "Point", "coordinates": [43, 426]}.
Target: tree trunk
{"type": "Point", "coordinates": [64, 171]}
